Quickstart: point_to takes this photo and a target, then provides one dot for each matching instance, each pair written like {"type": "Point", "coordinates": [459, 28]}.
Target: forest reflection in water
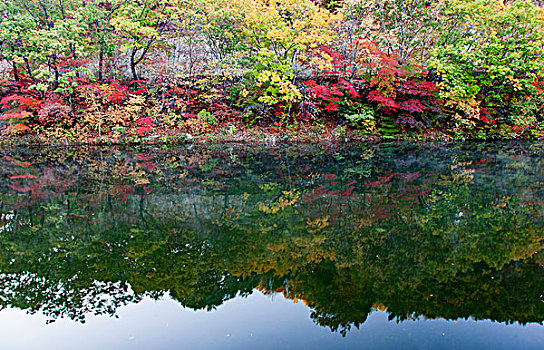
{"type": "Point", "coordinates": [433, 231]}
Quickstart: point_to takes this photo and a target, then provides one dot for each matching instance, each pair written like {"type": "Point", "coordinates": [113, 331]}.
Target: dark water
{"type": "Point", "coordinates": [387, 246]}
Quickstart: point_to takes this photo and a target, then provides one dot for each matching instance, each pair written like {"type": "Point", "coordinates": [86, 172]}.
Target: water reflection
{"type": "Point", "coordinates": [433, 231]}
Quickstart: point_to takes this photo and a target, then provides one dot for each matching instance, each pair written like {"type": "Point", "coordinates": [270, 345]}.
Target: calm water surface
{"type": "Point", "coordinates": [386, 246]}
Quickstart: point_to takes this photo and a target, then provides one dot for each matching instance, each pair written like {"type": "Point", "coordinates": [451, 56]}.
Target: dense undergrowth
{"type": "Point", "coordinates": [167, 70]}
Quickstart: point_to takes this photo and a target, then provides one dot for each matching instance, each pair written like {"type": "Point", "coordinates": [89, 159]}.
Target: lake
{"type": "Point", "coordinates": [393, 245]}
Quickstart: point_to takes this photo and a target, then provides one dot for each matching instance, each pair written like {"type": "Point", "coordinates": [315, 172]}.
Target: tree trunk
{"type": "Point", "coordinates": [100, 64]}
{"type": "Point", "coordinates": [15, 71]}
{"type": "Point", "coordinates": [133, 64]}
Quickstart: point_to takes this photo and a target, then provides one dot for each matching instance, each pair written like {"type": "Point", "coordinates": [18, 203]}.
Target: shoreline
{"type": "Point", "coordinates": [248, 136]}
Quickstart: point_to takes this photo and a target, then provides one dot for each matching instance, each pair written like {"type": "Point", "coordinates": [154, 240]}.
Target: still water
{"type": "Point", "coordinates": [384, 246]}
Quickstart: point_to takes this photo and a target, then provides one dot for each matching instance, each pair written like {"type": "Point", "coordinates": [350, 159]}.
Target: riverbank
{"type": "Point", "coordinates": [228, 133]}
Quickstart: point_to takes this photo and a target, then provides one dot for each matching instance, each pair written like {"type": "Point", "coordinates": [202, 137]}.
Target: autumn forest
{"type": "Point", "coordinates": [148, 71]}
